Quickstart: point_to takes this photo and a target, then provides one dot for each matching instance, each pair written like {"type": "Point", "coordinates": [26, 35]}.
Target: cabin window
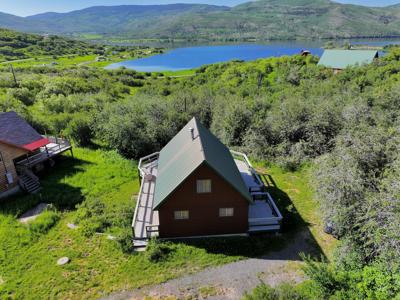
{"type": "Point", "coordinates": [226, 212]}
{"type": "Point", "coordinates": [203, 186]}
{"type": "Point", "coordinates": [181, 215]}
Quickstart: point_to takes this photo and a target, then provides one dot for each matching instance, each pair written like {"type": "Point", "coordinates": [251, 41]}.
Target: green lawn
{"type": "Point", "coordinates": [77, 60]}
{"type": "Point", "coordinates": [66, 61]}
{"type": "Point", "coordinates": [294, 194]}
{"type": "Point", "coordinates": [99, 266]}
{"type": "Point", "coordinates": [182, 73]}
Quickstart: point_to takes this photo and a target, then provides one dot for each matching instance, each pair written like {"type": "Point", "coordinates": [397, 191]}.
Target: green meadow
{"type": "Point", "coordinates": [96, 190]}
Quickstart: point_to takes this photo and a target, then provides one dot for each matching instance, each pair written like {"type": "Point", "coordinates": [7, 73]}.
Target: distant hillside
{"type": "Point", "coordinates": [15, 45]}
{"type": "Point", "coordinates": [264, 19]}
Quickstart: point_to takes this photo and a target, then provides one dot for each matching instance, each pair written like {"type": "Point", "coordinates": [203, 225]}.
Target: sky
{"type": "Point", "coordinates": [31, 7]}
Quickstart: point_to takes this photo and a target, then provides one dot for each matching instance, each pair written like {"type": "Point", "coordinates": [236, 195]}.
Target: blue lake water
{"type": "Point", "coordinates": [193, 57]}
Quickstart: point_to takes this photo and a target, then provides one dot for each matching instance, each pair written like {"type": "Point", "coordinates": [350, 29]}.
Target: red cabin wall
{"type": "Point", "coordinates": [203, 209]}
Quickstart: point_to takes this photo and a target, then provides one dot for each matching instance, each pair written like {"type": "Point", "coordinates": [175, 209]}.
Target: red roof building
{"type": "Point", "coordinates": [21, 149]}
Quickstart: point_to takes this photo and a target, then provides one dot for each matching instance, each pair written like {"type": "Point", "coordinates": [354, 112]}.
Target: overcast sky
{"type": "Point", "coordinates": [30, 7]}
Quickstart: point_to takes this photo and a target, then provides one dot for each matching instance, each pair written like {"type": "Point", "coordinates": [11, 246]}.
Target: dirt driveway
{"type": "Point", "coordinates": [231, 281]}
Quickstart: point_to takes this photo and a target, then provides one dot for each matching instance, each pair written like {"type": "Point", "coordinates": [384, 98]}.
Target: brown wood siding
{"type": "Point", "coordinates": [204, 208]}
{"type": "Point", "coordinates": [9, 153]}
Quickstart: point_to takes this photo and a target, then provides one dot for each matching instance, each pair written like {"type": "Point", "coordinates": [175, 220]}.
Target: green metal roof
{"type": "Point", "coordinates": [183, 155]}
{"type": "Point", "coordinates": [341, 59]}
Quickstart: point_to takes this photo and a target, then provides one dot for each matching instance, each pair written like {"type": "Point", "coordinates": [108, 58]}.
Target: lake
{"type": "Point", "coordinates": [196, 56]}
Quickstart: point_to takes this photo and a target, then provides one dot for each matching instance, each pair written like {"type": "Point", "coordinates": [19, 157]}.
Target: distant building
{"type": "Point", "coordinates": [196, 187]}
{"type": "Point", "coordinates": [341, 59]}
{"type": "Point", "coordinates": [100, 58]}
{"type": "Point", "coordinates": [21, 150]}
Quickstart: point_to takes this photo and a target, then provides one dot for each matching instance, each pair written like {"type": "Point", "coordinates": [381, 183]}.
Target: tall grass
{"type": "Point", "coordinates": [99, 186]}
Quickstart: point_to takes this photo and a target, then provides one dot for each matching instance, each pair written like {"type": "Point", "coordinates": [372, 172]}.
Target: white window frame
{"type": "Point", "coordinates": [226, 212]}
{"type": "Point", "coordinates": [203, 186]}
{"type": "Point", "coordinates": [181, 215]}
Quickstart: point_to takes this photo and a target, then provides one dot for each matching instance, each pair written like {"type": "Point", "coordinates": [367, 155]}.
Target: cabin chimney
{"type": "Point", "coordinates": [191, 130]}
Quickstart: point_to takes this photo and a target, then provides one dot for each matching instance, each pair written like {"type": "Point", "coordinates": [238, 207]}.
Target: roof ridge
{"type": "Point", "coordinates": [197, 123]}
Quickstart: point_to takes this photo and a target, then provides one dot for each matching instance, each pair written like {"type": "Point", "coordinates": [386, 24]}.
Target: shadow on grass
{"type": "Point", "coordinates": [54, 190]}
{"type": "Point", "coordinates": [295, 237]}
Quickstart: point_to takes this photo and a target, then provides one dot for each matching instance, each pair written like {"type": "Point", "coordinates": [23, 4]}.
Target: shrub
{"type": "Point", "coordinates": [44, 223]}
{"type": "Point", "coordinates": [22, 94]}
{"type": "Point", "coordinates": [282, 292]}
{"type": "Point", "coordinates": [125, 242]}
{"type": "Point", "coordinates": [90, 226]}
{"type": "Point", "coordinates": [91, 217]}
{"type": "Point", "coordinates": [157, 251]}
{"type": "Point", "coordinates": [79, 129]}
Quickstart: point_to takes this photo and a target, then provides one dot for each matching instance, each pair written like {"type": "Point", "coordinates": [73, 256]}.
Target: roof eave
{"type": "Point", "coordinates": [13, 145]}
{"type": "Point", "coordinates": [245, 195]}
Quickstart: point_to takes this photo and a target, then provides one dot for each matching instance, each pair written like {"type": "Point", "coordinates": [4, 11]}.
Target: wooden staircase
{"type": "Point", "coordinates": [30, 183]}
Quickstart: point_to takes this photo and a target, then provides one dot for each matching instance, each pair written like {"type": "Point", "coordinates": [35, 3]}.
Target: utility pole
{"type": "Point", "coordinates": [260, 79]}
{"type": "Point", "coordinates": [13, 73]}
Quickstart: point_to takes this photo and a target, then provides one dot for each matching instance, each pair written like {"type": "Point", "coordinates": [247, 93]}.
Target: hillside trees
{"type": "Point", "coordinates": [284, 110]}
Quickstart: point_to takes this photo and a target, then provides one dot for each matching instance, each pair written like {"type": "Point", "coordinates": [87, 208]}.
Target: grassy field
{"type": "Point", "coordinates": [96, 191]}
{"type": "Point", "coordinates": [293, 192]}
{"type": "Point", "coordinates": [182, 73]}
{"type": "Point", "coordinates": [77, 60]}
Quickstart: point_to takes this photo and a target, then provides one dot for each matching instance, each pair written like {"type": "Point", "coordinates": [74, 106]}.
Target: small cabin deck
{"type": "Point", "coordinates": [264, 215]}
{"type": "Point", "coordinates": [56, 147]}
{"type": "Point", "coordinates": [145, 221]}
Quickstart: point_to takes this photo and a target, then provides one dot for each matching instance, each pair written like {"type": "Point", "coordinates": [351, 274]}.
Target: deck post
{"type": "Point", "coordinates": [140, 178]}
{"type": "Point", "coordinates": [72, 153]}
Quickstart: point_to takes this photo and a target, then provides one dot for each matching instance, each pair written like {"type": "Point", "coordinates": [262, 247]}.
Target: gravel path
{"type": "Point", "coordinates": [231, 281]}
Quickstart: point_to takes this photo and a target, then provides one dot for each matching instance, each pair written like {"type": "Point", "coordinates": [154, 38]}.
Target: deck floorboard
{"type": "Point", "coordinates": [145, 214]}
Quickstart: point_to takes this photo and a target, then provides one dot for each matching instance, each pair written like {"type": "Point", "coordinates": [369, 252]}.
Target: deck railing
{"type": "Point", "coordinates": [243, 157]}
{"type": "Point", "coordinates": [57, 140]}
{"type": "Point", "coordinates": [275, 208]}
{"type": "Point", "coordinates": [266, 196]}
{"type": "Point", "coordinates": [152, 229]}
{"type": "Point", "coordinates": [60, 145]}
{"type": "Point", "coordinates": [144, 168]}
{"type": "Point", "coordinates": [146, 161]}
{"type": "Point", "coordinates": [137, 206]}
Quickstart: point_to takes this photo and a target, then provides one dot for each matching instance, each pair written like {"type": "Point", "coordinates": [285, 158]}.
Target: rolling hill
{"type": "Point", "coordinates": [15, 45]}
{"type": "Point", "coordinates": [263, 19]}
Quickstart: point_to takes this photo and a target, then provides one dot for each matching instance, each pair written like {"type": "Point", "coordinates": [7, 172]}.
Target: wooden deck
{"type": "Point", "coordinates": [146, 221]}
{"type": "Point", "coordinates": [264, 215]}
{"type": "Point", "coordinates": [53, 149]}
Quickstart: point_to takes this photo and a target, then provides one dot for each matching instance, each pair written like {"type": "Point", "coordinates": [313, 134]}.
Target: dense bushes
{"type": "Point", "coordinates": [330, 282]}
{"type": "Point", "coordinates": [344, 282]}
{"type": "Point", "coordinates": [79, 130]}
{"type": "Point", "coordinates": [286, 110]}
